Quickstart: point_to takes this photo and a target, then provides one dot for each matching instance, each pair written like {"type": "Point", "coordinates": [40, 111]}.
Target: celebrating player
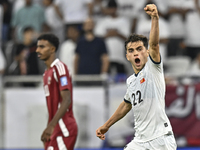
{"type": "Point", "coordinates": [145, 93]}
{"type": "Point", "coordinates": [61, 130]}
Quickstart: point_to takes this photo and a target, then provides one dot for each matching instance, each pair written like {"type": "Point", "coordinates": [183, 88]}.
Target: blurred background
{"type": "Point", "coordinates": [98, 70]}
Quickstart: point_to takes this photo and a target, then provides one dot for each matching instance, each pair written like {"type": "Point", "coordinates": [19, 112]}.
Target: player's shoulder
{"type": "Point", "coordinates": [59, 66]}
{"type": "Point", "coordinates": [130, 79]}
{"type": "Point", "coordinates": [151, 61]}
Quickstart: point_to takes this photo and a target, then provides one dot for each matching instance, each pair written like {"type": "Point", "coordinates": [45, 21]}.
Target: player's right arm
{"type": "Point", "coordinates": [121, 111]}
{"type": "Point", "coordinates": [152, 11]}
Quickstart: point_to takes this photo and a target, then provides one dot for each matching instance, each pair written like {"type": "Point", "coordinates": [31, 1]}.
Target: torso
{"type": "Point", "coordinates": [146, 92]}
{"type": "Point", "coordinates": [55, 80]}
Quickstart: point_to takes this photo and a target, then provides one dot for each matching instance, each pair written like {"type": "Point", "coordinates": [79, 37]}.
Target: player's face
{"type": "Point", "coordinates": [137, 54]}
{"type": "Point", "coordinates": [44, 49]}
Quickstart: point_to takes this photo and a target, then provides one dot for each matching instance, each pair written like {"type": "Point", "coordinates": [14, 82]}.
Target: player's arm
{"type": "Point", "coordinates": [57, 10]}
{"type": "Point", "coordinates": [105, 63]}
{"type": "Point", "coordinates": [76, 62]}
{"type": "Point", "coordinates": [151, 10]}
{"type": "Point", "coordinates": [121, 111]}
{"type": "Point", "coordinates": [66, 101]}
{"type": "Point", "coordinates": [64, 105]}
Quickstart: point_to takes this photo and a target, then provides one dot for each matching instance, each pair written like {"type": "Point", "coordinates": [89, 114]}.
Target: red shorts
{"type": "Point", "coordinates": [61, 143]}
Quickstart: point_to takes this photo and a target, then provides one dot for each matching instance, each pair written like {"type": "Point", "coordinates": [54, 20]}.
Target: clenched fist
{"type": "Point", "coordinates": [151, 10]}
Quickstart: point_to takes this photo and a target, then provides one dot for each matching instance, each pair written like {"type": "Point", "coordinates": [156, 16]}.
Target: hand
{"type": "Point", "coordinates": [46, 135]}
{"type": "Point", "coordinates": [151, 10]}
{"type": "Point", "coordinates": [100, 132]}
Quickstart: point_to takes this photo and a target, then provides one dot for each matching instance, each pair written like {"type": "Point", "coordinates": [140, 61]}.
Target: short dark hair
{"type": "Point", "coordinates": [136, 37]}
{"type": "Point", "coordinates": [51, 38]}
{"type": "Point", "coordinates": [112, 4]}
{"type": "Point", "coordinates": [28, 28]}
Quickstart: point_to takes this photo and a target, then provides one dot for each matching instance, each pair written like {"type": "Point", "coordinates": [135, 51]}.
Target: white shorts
{"type": "Point", "coordinates": [165, 142]}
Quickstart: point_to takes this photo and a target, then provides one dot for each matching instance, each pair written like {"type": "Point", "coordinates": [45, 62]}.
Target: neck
{"type": "Point", "coordinates": [50, 60]}
{"type": "Point", "coordinates": [89, 36]}
{"type": "Point", "coordinates": [27, 42]}
{"type": "Point", "coordinates": [135, 70]}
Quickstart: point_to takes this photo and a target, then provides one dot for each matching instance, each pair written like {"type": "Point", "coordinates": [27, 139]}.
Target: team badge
{"type": "Point", "coordinates": [63, 81]}
{"type": "Point", "coordinates": [49, 80]}
{"type": "Point", "coordinates": [142, 81]}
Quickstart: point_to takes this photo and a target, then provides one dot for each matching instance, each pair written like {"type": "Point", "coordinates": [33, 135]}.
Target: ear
{"type": "Point", "coordinates": [147, 52]}
{"type": "Point", "coordinates": [53, 49]}
{"type": "Point", "coordinates": [127, 57]}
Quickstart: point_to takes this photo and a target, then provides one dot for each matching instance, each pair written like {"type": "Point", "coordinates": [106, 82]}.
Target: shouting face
{"type": "Point", "coordinates": [137, 54]}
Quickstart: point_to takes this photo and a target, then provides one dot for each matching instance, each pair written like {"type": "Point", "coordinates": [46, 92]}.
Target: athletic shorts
{"type": "Point", "coordinates": [61, 143]}
{"type": "Point", "coordinates": [165, 142]}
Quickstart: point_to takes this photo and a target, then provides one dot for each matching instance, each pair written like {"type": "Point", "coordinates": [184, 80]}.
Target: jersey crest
{"type": "Point", "coordinates": [49, 80]}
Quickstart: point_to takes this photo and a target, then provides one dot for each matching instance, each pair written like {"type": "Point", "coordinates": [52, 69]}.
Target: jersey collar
{"type": "Point", "coordinates": [54, 62]}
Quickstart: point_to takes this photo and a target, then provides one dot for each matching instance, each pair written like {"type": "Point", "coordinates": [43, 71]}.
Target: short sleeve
{"type": "Point", "coordinates": [156, 67]}
{"type": "Point", "coordinates": [103, 47]}
{"type": "Point", "coordinates": [127, 98]}
{"type": "Point", "coordinates": [63, 77]}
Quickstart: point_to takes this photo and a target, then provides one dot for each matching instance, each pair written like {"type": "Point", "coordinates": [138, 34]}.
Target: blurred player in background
{"type": "Point", "coordinates": [145, 93]}
{"type": "Point", "coordinates": [61, 130]}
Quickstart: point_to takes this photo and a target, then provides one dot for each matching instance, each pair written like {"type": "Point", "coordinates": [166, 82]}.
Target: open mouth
{"type": "Point", "coordinates": [38, 54]}
{"type": "Point", "coordinates": [137, 60]}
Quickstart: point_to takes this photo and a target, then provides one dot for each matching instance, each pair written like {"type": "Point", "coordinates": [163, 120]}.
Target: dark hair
{"type": "Point", "coordinates": [112, 4]}
{"type": "Point", "coordinates": [136, 37]}
{"type": "Point", "coordinates": [51, 38]}
{"type": "Point", "coordinates": [28, 28]}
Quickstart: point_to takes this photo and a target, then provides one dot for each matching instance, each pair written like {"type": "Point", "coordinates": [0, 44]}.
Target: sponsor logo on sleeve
{"type": "Point", "coordinates": [50, 148]}
{"type": "Point", "coordinates": [63, 81]}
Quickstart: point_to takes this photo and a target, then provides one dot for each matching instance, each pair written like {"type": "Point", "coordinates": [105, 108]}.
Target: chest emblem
{"type": "Point", "coordinates": [49, 80]}
{"type": "Point", "coordinates": [142, 80]}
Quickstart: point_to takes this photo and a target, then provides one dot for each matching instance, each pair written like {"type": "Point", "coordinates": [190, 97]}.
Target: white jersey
{"type": "Point", "coordinates": [146, 93]}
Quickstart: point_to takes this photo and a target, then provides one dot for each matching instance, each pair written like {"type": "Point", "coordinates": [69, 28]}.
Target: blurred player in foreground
{"type": "Point", "coordinates": [61, 130]}
{"type": "Point", "coordinates": [145, 93]}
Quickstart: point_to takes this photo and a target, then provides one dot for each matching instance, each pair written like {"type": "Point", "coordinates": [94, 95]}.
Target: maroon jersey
{"type": "Point", "coordinates": [56, 79]}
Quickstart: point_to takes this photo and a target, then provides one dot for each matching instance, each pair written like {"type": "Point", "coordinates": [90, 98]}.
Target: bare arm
{"type": "Point", "coordinates": [76, 61]}
{"type": "Point", "coordinates": [151, 10]}
{"type": "Point", "coordinates": [197, 5]}
{"type": "Point", "coordinates": [121, 111]}
{"type": "Point", "coordinates": [90, 9]}
{"type": "Point", "coordinates": [66, 101]}
{"type": "Point", "coordinates": [105, 63]}
{"type": "Point", "coordinates": [115, 33]}
{"type": "Point", "coordinates": [58, 11]}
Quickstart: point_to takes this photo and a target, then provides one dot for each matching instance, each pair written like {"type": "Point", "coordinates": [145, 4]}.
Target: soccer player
{"type": "Point", "coordinates": [61, 130]}
{"type": "Point", "coordinates": [145, 93]}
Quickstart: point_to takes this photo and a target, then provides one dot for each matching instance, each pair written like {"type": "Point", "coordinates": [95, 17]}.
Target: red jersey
{"type": "Point", "coordinates": [56, 79]}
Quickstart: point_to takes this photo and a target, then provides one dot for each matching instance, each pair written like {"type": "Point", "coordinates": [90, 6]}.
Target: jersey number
{"type": "Point", "coordinates": [138, 93]}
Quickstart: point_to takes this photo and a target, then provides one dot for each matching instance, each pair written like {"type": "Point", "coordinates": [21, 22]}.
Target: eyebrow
{"type": "Point", "coordinates": [40, 45]}
{"type": "Point", "coordinates": [139, 47]}
{"type": "Point", "coordinates": [130, 49]}
{"type": "Point", "coordinates": [136, 48]}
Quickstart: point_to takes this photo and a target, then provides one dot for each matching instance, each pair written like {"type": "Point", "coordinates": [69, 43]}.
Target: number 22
{"type": "Point", "coordinates": [138, 93]}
